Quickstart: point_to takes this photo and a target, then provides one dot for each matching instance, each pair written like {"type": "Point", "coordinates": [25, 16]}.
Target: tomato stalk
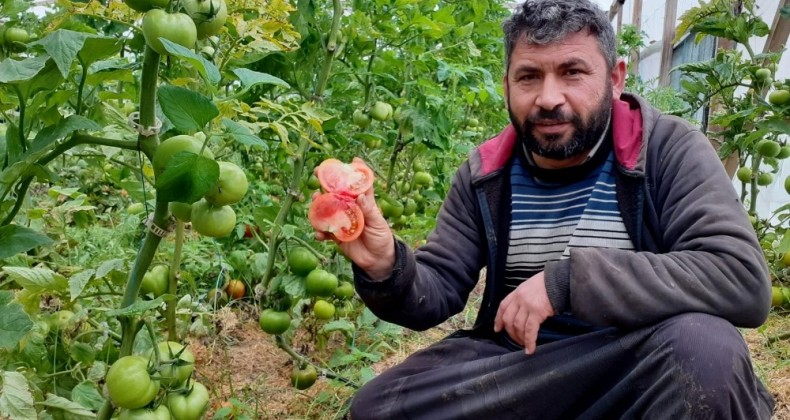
{"type": "Point", "coordinates": [148, 144]}
{"type": "Point", "coordinates": [331, 47]}
{"type": "Point", "coordinates": [293, 193]}
{"type": "Point", "coordinates": [172, 288]}
{"type": "Point", "coordinates": [756, 158]}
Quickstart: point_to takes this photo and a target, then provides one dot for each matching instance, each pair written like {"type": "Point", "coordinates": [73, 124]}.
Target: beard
{"type": "Point", "coordinates": [582, 138]}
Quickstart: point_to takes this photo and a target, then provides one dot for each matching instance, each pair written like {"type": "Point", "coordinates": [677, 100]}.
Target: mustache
{"type": "Point", "coordinates": [553, 115]}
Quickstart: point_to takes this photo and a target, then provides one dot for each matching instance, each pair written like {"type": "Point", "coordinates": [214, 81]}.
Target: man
{"type": "Point", "coordinates": [619, 259]}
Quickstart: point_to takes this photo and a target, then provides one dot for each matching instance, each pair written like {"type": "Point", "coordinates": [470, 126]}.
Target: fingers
{"type": "Point", "coordinates": [370, 211]}
{"type": "Point", "coordinates": [531, 328]}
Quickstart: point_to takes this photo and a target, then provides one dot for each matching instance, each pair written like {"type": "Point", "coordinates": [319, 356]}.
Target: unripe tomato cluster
{"type": "Point", "coordinates": [200, 19]}
{"type": "Point", "coordinates": [212, 215]}
{"type": "Point", "coordinates": [135, 382]}
{"type": "Point", "coordinates": [379, 111]}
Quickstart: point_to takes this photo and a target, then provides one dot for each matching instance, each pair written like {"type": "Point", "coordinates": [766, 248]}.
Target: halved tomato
{"type": "Point", "coordinates": [337, 214]}
{"type": "Point", "coordinates": [350, 179]}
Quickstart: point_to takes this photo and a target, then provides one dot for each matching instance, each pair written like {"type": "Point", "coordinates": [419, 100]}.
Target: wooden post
{"type": "Point", "coordinates": [670, 15]}
{"type": "Point", "coordinates": [780, 30]}
{"type": "Point", "coordinates": [636, 20]}
{"type": "Point", "coordinates": [614, 9]}
{"type": "Point", "coordinates": [619, 20]}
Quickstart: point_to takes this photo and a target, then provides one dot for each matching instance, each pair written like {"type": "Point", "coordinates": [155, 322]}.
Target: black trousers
{"type": "Point", "coordinates": [692, 366]}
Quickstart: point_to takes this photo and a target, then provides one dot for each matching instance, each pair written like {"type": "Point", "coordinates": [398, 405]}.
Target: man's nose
{"type": "Point", "coordinates": [552, 94]}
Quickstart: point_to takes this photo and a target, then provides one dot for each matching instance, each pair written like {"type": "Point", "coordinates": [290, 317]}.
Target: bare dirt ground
{"type": "Point", "coordinates": [243, 362]}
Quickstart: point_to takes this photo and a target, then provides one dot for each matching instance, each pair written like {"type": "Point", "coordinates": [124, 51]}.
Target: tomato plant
{"type": "Point", "coordinates": [129, 383]}
{"type": "Point", "coordinates": [146, 5]}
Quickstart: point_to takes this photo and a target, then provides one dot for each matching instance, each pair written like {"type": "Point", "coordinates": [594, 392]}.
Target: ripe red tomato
{"type": "Point", "coordinates": [350, 179]}
{"type": "Point", "coordinates": [337, 214]}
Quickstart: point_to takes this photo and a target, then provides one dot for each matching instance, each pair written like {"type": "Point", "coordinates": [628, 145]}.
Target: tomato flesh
{"type": "Point", "coordinates": [350, 179]}
{"type": "Point", "coordinates": [338, 214]}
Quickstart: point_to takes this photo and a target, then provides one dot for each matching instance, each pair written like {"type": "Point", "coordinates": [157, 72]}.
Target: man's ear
{"type": "Point", "coordinates": [618, 78]}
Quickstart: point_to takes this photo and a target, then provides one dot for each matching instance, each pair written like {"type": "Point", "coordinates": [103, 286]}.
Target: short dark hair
{"type": "Point", "coordinates": [543, 22]}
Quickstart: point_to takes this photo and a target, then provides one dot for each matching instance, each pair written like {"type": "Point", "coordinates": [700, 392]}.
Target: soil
{"type": "Point", "coordinates": [242, 362]}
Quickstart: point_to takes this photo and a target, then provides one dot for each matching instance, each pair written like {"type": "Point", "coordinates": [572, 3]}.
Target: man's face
{"type": "Point", "coordinates": [559, 95]}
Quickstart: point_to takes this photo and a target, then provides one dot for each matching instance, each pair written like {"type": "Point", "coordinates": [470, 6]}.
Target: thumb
{"type": "Point", "coordinates": [370, 211]}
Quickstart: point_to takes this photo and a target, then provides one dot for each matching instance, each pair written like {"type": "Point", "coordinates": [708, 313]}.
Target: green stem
{"type": "Point", "coordinates": [20, 198]}
{"type": "Point", "coordinates": [331, 47]}
{"type": "Point", "coordinates": [148, 144]}
{"type": "Point", "coordinates": [293, 193]}
{"type": "Point", "coordinates": [81, 88]}
{"type": "Point", "coordinates": [175, 266]}
{"type": "Point", "coordinates": [754, 190]}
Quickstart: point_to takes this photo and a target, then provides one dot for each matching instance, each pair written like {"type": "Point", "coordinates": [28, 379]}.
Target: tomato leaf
{"type": "Point", "coordinates": [15, 323]}
{"type": "Point", "coordinates": [338, 325]}
{"type": "Point", "coordinates": [188, 177]}
{"type": "Point", "coordinates": [15, 239]}
{"type": "Point", "coordinates": [16, 400]}
{"type": "Point", "coordinates": [71, 407]}
{"type": "Point", "coordinates": [63, 46]}
{"type": "Point", "coordinates": [242, 134]}
{"type": "Point", "coordinates": [188, 111]}
{"type": "Point", "coordinates": [87, 394]}
{"type": "Point", "coordinates": [292, 284]}
{"type": "Point", "coordinates": [19, 71]}
{"type": "Point", "coordinates": [77, 282]}
{"type": "Point", "coordinates": [37, 279]}
{"type": "Point", "coordinates": [249, 78]}
{"type": "Point", "coordinates": [206, 69]}
{"type": "Point", "coordinates": [73, 123]}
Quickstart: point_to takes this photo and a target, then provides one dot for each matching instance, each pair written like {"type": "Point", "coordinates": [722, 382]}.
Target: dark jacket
{"type": "Point", "coordinates": [695, 250]}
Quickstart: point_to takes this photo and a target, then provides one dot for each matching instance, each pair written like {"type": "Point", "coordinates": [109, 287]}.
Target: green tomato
{"type": "Point", "coordinates": [768, 148]}
{"type": "Point", "coordinates": [16, 35]}
{"type": "Point", "coordinates": [391, 208]}
{"type": "Point", "coordinates": [744, 174]}
{"type": "Point", "coordinates": [361, 119]}
{"type": "Point", "coordinates": [381, 111]}
{"type": "Point", "coordinates": [763, 74]}
{"type": "Point", "coordinates": [423, 179]}
{"type": "Point", "coordinates": [146, 5]}
{"type": "Point", "coordinates": [303, 378]}
{"type": "Point", "coordinates": [765, 178]}
{"type": "Point", "coordinates": [231, 186]}
{"type": "Point", "coordinates": [172, 146]}
{"type": "Point", "coordinates": [61, 320]}
{"type": "Point", "coordinates": [129, 384]}
{"type": "Point", "coordinates": [301, 261]}
{"type": "Point", "coordinates": [323, 310]}
{"type": "Point", "coordinates": [209, 15]}
{"type": "Point", "coordinates": [190, 405]}
{"type": "Point", "coordinates": [160, 413]}
{"type": "Point", "coordinates": [409, 207]}
{"type": "Point", "coordinates": [215, 222]}
{"type": "Point", "coordinates": [274, 322]}
{"type": "Point", "coordinates": [784, 153]}
{"type": "Point", "coordinates": [787, 184]}
{"type": "Point", "coordinates": [779, 97]}
{"type": "Point", "coordinates": [176, 363]}
{"type": "Point", "coordinates": [345, 290]}
{"type": "Point", "coordinates": [175, 27]}
{"type": "Point", "coordinates": [156, 281]}
{"type": "Point", "coordinates": [181, 211]}
{"type": "Point", "coordinates": [320, 282]}
{"type": "Point", "coordinates": [135, 208]}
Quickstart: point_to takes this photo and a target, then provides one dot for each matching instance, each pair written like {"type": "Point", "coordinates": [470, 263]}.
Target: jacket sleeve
{"type": "Point", "coordinates": [433, 283]}
{"type": "Point", "coordinates": [712, 262]}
